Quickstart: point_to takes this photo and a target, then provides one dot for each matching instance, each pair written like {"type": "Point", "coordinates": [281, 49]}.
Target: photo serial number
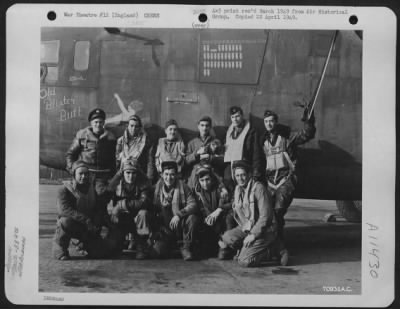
{"type": "Point", "coordinates": [337, 289]}
{"type": "Point", "coordinates": [53, 298]}
{"type": "Point", "coordinates": [151, 15]}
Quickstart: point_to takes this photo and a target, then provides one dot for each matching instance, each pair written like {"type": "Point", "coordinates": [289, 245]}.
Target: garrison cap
{"type": "Point", "coordinates": [235, 109]}
{"type": "Point", "coordinates": [241, 164]}
{"type": "Point", "coordinates": [269, 113]}
{"type": "Point", "coordinates": [170, 123]}
{"type": "Point", "coordinates": [168, 165]}
{"type": "Point", "coordinates": [206, 118]}
{"type": "Point", "coordinates": [78, 164]}
{"type": "Point", "coordinates": [130, 165]}
{"type": "Point", "coordinates": [97, 113]}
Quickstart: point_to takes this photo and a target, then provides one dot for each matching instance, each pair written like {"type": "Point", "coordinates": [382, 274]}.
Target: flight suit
{"type": "Point", "coordinates": [139, 148]}
{"type": "Point", "coordinates": [280, 152]}
{"type": "Point", "coordinates": [131, 209]}
{"type": "Point", "coordinates": [183, 204]}
{"type": "Point", "coordinates": [208, 202]}
{"type": "Point", "coordinates": [249, 150]}
{"type": "Point", "coordinates": [98, 153]}
{"type": "Point", "coordinates": [170, 151]}
{"type": "Point", "coordinates": [79, 218]}
{"type": "Point", "coordinates": [253, 212]}
{"type": "Point", "coordinates": [212, 147]}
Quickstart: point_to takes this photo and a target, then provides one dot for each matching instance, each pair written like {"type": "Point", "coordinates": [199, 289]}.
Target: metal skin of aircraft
{"type": "Point", "coordinates": [187, 73]}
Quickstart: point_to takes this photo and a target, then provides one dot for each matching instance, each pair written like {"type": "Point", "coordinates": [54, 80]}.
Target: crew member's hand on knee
{"type": "Point", "coordinates": [173, 224]}
{"type": "Point", "coordinates": [248, 240]}
{"type": "Point", "coordinates": [212, 218]}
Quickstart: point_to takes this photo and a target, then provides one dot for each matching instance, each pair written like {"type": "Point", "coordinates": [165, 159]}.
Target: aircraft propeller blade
{"type": "Point", "coordinates": [117, 31]}
{"type": "Point", "coordinates": [152, 42]}
{"type": "Point", "coordinates": [154, 56]}
{"type": "Point", "coordinates": [113, 30]}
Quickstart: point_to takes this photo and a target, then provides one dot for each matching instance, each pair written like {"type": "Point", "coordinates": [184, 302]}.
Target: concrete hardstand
{"type": "Point", "coordinates": [325, 258]}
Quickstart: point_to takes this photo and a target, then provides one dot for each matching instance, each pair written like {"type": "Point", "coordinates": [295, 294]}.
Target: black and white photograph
{"type": "Point", "coordinates": [199, 160]}
{"type": "Point", "coordinates": [221, 161]}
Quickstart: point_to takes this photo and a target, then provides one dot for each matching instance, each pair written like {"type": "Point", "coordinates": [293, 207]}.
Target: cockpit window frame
{"type": "Point", "coordinates": [56, 56]}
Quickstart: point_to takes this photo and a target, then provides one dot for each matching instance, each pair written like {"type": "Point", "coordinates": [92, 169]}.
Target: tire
{"type": "Point", "coordinates": [350, 210]}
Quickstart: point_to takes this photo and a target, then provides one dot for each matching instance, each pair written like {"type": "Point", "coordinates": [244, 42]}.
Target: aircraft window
{"type": "Point", "coordinates": [49, 51]}
{"type": "Point", "coordinates": [81, 57]}
{"type": "Point", "coordinates": [52, 74]}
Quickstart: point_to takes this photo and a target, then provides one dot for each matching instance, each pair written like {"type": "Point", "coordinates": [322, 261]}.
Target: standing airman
{"type": "Point", "coordinates": [242, 143]}
{"type": "Point", "coordinates": [280, 152]}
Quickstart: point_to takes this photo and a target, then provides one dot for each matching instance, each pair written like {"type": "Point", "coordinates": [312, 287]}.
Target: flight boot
{"type": "Point", "coordinates": [60, 253]}
{"type": "Point", "coordinates": [280, 222]}
{"type": "Point", "coordinates": [225, 252]}
{"type": "Point", "coordinates": [60, 244]}
{"type": "Point", "coordinates": [142, 248]}
{"type": "Point", "coordinates": [186, 253]}
{"type": "Point", "coordinates": [279, 253]}
{"type": "Point", "coordinates": [284, 257]}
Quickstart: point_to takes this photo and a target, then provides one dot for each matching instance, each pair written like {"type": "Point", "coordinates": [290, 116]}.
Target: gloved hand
{"type": "Point", "coordinates": [305, 116]}
{"type": "Point", "coordinates": [312, 117]}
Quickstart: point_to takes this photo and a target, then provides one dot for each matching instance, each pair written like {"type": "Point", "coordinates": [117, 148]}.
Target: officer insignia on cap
{"type": "Point", "coordinates": [97, 113]}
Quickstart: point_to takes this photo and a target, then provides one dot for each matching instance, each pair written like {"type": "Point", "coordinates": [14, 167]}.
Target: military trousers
{"type": "Point", "coordinates": [253, 255]}
{"type": "Point", "coordinates": [185, 236]}
{"type": "Point", "coordinates": [209, 235]}
{"type": "Point", "coordinates": [282, 197]}
{"type": "Point", "coordinates": [93, 243]}
{"type": "Point", "coordinates": [135, 223]}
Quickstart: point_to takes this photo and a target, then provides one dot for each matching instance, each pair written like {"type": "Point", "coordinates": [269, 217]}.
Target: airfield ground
{"type": "Point", "coordinates": [322, 255]}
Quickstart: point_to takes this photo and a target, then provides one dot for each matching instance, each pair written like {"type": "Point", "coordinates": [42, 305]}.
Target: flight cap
{"type": "Point", "coordinates": [170, 123]}
{"type": "Point", "coordinates": [130, 165]}
{"type": "Point", "coordinates": [168, 165]}
{"type": "Point", "coordinates": [235, 109]}
{"type": "Point", "coordinates": [97, 113]}
{"type": "Point", "coordinates": [78, 164]}
{"type": "Point", "coordinates": [241, 164]}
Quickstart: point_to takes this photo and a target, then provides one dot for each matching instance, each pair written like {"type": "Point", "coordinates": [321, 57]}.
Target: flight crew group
{"type": "Point", "coordinates": [206, 198]}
